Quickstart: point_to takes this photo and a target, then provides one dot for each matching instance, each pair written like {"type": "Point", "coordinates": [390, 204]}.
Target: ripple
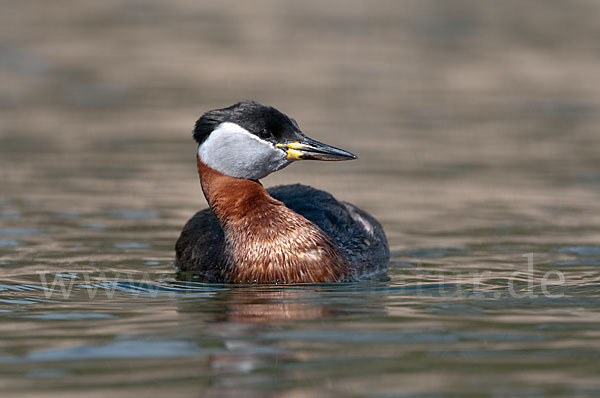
{"type": "Point", "coordinates": [119, 349]}
{"type": "Point", "coordinates": [433, 252]}
{"type": "Point", "coordinates": [11, 301]}
{"type": "Point", "coordinates": [131, 245]}
{"type": "Point", "coordinates": [69, 316]}
{"type": "Point", "coordinates": [67, 214]}
{"type": "Point", "coordinates": [403, 337]}
{"type": "Point", "coordinates": [148, 289]}
{"type": "Point", "coordinates": [21, 232]}
{"type": "Point", "coordinates": [580, 250]}
{"type": "Point", "coordinates": [95, 227]}
{"type": "Point", "coordinates": [133, 214]}
{"type": "Point", "coordinates": [9, 243]}
{"type": "Point", "coordinates": [10, 214]}
{"type": "Point", "coordinates": [128, 349]}
{"type": "Point", "coordinates": [403, 264]}
{"type": "Point", "coordinates": [47, 374]}
{"type": "Point", "coordinates": [362, 337]}
{"type": "Point", "coordinates": [578, 261]}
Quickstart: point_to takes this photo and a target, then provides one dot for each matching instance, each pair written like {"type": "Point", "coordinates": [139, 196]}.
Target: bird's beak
{"type": "Point", "coordinates": [309, 149]}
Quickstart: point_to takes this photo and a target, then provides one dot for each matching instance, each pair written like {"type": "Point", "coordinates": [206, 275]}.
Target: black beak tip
{"type": "Point", "coordinates": [345, 155]}
{"type": "Point", "coordinates": [315, 150]}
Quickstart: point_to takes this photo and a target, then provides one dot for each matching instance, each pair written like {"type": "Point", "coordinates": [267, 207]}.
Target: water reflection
{"type": "Point", "coordinates": [276, 304]}
{"type": "Point", "coordinates": [256, 305]}
{"type": "Point", "coordinates": [476, 129]}
{"type": "Point", "coordinates": [242, 320]}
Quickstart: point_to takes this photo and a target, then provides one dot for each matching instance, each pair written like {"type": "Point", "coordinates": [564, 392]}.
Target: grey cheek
{"type": "Point", "coordinates": [236, 153]}
{"type": "Point", "coordinates": [264, 162]}
{"type": "Point", "coordinates": [250, 160]}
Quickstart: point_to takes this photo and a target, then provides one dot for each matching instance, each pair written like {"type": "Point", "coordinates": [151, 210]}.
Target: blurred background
{"type": "Point", "coordinates": [476, 125]}
{"type": "Point", "coordinates": [501, 99]}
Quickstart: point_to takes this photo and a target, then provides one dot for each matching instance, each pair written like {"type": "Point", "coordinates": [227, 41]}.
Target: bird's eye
{"type": "Point", "coordinates": [264, 134]}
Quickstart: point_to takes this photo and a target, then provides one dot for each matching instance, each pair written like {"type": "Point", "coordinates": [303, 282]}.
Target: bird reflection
{"type": "Point", "coordinates": [242, 319]}
{"type": "Point", "coordinates": [276, 304]}
{"type": "Point", "coordinates": [256, 335]}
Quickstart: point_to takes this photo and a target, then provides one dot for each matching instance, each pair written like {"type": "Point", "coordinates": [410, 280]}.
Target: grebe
{"type": "Point", "coordinates": [285, 234]}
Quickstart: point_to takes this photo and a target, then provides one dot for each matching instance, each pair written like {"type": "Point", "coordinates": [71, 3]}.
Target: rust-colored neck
{"type": "Point", "coordinates": [232, 198]}
{"type": "Point", "coordinates": [265, 241]}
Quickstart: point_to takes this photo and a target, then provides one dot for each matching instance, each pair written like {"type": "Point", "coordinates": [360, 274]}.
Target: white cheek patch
{"type": "Point", "coordinates": [234, 151]}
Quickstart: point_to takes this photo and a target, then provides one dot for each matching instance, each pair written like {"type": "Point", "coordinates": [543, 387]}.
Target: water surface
{"type": "Point", "coordinates": [476, 129]}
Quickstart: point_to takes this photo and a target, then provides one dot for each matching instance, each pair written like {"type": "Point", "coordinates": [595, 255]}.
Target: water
{"type": "Point", "coordinates": [476, 129]}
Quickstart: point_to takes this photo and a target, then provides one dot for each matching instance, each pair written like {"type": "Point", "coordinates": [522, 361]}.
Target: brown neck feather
{"type": "Point", "coordinates": [265, 241]}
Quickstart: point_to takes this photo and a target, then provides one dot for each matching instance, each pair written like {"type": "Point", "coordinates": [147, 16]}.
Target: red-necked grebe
{"type": "Point", "coordinates": [285, 234]}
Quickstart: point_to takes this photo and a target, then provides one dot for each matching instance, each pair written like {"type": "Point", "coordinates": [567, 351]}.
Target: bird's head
{"type": "Point", "coordinates": [249, 140]}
